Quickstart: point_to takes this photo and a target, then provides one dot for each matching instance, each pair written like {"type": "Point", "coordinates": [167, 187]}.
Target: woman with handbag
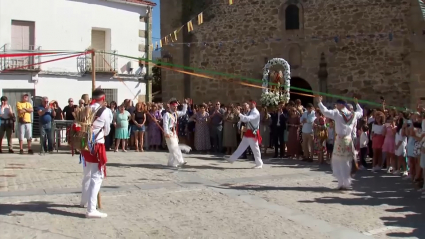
{"type": "Point", "coordinates": [7, 123]}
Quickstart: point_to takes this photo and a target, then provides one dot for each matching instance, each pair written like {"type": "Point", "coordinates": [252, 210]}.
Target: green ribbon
{"type": "Point", "coordinates": [251, 80]}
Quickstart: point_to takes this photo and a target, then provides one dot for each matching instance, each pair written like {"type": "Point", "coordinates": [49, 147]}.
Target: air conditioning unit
{"type": "Point", "coordinates": [34, 78]}
{"type": "Point", "coordinates": [131, 65]}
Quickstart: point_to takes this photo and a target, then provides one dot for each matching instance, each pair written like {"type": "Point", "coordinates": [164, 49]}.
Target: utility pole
{"type": "Point", "coordinates": [93, 71]}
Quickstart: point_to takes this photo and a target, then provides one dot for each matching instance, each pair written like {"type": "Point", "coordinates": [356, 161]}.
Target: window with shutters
{"type": "Point", "coordinates": [111, 95]}
{"type": "Point", "coordinates": [23, 39]}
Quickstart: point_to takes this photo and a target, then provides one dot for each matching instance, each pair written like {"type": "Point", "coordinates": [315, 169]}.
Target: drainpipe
{"type": "Point", "coordinates": [148, 55]}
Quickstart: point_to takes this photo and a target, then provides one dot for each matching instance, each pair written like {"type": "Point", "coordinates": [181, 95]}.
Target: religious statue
{"type": "Point", "coordinates": [276, 80]}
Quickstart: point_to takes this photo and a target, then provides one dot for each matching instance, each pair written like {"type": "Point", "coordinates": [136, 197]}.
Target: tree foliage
{"type": "Point", "coordinates": [156, 78]}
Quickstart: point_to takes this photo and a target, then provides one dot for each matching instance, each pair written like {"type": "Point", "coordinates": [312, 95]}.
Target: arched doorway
{"type": "Point", "coordinates": [299, 82]}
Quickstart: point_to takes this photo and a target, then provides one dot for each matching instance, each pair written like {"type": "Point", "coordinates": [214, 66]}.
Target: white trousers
{"type": "Point", "coordinates": [92, 181]}
{"type": "Point", "coordinates": [251, 142]}
{"type": "Point", "coordinates": [175, 156]}
{"type": "Point", "coordinates": [341, 169]}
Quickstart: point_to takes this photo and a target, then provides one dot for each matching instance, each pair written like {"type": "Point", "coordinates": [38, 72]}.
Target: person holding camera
{"type": "Point", "coordinates": [47, 114]}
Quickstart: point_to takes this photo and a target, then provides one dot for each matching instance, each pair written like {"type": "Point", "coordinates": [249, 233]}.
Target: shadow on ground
{"type": "Point", "coordinates": [374, 189]}
{"type": "Point", "coordinates": [161, 166]}
{"type": "Point", "coordinates": [37, 207]}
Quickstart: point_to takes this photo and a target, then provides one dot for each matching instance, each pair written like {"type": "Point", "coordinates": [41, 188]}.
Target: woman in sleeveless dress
{"type": "Point", "coordinates": [230, 131]}
{"type": "Point", "coordinates": [389, 143]}
{"type": "Point", "coordinates": [202, 130]}
{"type": "Point", "coordinates": [294, 145]}
{"type": "Point", "coordinates": [139, 120]}
{"type": "Point", "coordinates": [121, 127]}
{"type": "Point", "coordinates": [154, 132]}
{"type": "Point", "coordinates": [320, 133]}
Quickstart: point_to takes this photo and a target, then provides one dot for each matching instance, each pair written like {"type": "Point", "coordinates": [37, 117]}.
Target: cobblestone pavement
{"type": "Point", "coordinates": [208, 198]}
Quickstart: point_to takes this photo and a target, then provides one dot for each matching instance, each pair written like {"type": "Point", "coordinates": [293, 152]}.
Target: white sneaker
{"type": "Point", "coordinates": [96, 214]}
{"type": "Point", "coordinates": [390, 170]}
{"type": "Point", "coordinates": [405, 173]}
{"type": "Point", "coordinates": [258, 167]}
{"type": "Point", "coordinates": [227, 158]}
{"type": "Point", "coordinates": [83, 205]}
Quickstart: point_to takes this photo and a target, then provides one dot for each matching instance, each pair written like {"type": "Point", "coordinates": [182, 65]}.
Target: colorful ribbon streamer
{"type": "Point", "coordinates": [43, 62]}
{"type": "Point", "coordinates": [231, 76]}
{"type": "Point", "coordinates": [26, 54]}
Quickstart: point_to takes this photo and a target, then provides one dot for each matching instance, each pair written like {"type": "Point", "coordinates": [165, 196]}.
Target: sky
{"type": "Point", "coordinates": [156, 28]}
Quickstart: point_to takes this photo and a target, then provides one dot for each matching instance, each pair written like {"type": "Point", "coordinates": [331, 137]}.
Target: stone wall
{"type": "Point", "coordinates": [369, 67]}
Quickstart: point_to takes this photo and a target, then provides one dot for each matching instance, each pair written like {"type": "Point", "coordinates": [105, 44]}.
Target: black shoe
{"type": "Point", "coordinates": [30, 151]}
{"type": "Point", "coordinates": [21, 151]}
{"type": "Point", "coordinates": [11, 151]}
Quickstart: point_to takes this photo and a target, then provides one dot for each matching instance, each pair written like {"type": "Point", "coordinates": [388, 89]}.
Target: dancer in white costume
{"type": "Point", "coordinates": [344, 150]}
{"type": "Point", "coordinates": [251, 137]}
{"type": "Point", "coordinates": [175, 158]}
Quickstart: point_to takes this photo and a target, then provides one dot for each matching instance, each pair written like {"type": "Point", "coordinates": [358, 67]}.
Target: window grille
{"type": "Point", "coordinates": [111, 95]}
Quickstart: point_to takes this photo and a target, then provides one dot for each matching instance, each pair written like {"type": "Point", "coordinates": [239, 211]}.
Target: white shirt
{"type": "Point", "coordinates": [5, 112]}
{"type": "Point", "coordinates": [103, 122]}
{"type": "Point", "coordinates": [354, 132]}
{"type": "Point", "coordinates": [378, 129]}
{"type": "Point", "coordinates": [341, 127]}
{"type": "Point", "coordinates": [364, 140]}
{"type": "Point", "coordinates": [402, 139]}
{"type": "Point", "coordinates": [253, 118]}
{"type": "Point", "coordinates": [170, 119]}
{"type": "Point", "coordinates": [278, 118]}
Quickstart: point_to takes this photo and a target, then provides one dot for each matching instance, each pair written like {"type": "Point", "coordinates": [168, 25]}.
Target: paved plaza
{"type": "Point", "coordinates": [208, 198]}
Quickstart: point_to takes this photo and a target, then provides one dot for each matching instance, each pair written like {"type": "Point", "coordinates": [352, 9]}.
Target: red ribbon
{"type": "Point", "coordinates": [26, 54]}
{"type": "Point", "coordinates": [39, 63]}
{"type": "Point", "coordinates": [97, 100]}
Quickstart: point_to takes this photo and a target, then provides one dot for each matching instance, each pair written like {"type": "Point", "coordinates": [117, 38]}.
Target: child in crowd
{"type": "Point", "coordinates": [330, 140]}
{"type": "Point", "coordinates": [400, 149]}
{"type": "Point", "coordinates": [364, 141]}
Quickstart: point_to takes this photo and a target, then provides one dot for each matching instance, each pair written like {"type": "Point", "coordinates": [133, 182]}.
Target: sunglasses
{"type": "Point", "coordinates": [70, 101]}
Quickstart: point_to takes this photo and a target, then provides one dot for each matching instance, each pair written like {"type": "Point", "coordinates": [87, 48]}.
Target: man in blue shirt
{"type": "Point", "coordinates": [46, 113]}
{"type": "Point", "coordinates": [307, 120]}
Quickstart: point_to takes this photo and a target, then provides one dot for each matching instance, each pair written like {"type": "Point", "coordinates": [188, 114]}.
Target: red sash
{"type": "Point", "coordinates": [250, 134]}
{"type": "Point", "coordinates": [99, 156]}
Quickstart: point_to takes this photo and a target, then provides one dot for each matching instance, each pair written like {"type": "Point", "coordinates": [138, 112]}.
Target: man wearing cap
{"type": "Point", "coordinates": [344, 150]}
{"type": "Point", "coordinates": [175, 157]}
{"type": "Point", "coordinates": [24, 109]}
{"type": "Point", "coordinates": [95, 160]}
{"type": "Point", "coordinates": [251, 137]}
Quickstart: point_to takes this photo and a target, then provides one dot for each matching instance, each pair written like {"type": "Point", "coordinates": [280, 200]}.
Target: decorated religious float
{"type": "Point", "coordinates": [276, 84]}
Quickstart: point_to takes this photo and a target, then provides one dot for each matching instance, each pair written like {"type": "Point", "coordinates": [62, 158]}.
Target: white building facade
{"type": "Point", "coordinates": [109, 27]}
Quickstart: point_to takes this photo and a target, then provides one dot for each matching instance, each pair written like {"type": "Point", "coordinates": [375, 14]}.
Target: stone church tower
{"type": "Point", "coordinates": [370, 48]}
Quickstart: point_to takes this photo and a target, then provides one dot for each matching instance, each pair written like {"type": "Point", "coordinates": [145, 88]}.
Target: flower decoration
{"type": "Point", "coordinates": [269, 98]}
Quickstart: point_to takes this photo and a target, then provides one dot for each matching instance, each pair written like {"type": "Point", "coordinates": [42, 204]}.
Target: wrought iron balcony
{"type": "Point", "coordinates": [26, 63]}
{"type": "Point", "coordinates": [104, 62]}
